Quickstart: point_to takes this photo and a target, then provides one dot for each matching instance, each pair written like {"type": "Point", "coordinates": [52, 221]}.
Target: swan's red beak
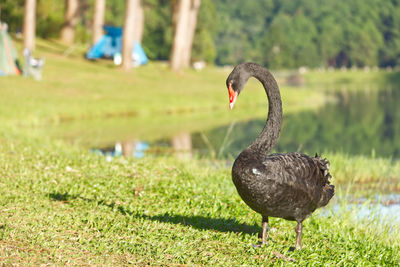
{"type": "Point", "coordinates": [232, 96]}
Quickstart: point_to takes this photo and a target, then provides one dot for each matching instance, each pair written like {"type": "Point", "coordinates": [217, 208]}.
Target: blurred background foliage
{"type": "Point", "coordinates": [278, 34]}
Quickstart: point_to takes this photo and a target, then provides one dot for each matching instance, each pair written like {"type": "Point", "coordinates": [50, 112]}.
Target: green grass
{"type": "Point", "coordinates": [373, 172]}
{"type": "Point", "coordinates": [358, 79]}
{"type": "Point", "coordinates": [74, 89]}
{"type": "Point", "coordinates": [61, 205]}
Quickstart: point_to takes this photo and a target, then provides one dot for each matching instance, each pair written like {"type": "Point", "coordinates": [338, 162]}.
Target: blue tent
{"type": "Point", "coordinates": [110, 46]}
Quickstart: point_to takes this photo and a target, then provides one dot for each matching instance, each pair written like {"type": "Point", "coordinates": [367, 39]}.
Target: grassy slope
{"type": "Point", "coordinates": [74, 88]}
{"type": "Point", "coordinates": [59, 204]}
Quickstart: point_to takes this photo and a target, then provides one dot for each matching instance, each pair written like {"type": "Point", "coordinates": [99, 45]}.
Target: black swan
{"type": "Point", "coordinates": [289, 186]}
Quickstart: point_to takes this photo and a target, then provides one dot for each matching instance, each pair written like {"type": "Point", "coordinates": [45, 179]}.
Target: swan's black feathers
{"type": "Point", "coordinates": [289, 186]}
{"type": "Point", "coordinates": [308, 174]}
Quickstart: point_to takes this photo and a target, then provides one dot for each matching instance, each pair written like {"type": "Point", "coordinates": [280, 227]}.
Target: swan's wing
{"type": "Point", "coordinates": [301, 172]}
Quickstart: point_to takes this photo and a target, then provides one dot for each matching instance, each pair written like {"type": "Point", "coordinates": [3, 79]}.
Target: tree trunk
{"type": "Point", "coordinates": [181, 21]}
{"type": "Point", "coordinates": [187, 52]}
{"type": "Point", "coordinates": [185, 19]}
{"type": "Point", "coordinates": [71, 19]}
{"type": "Point", "coordinates": [128, 38]}
{"type": "Point", "coordinates": [98, 20]}
{"type": "Point", "coordinates": [29, 24]}
{"type": "Point", "coordinates": [139, 23]}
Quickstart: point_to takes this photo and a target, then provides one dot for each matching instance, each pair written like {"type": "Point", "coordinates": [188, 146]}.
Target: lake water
{"type": "Point", "coordinates": [384, 209]}
{"type": "Point", "coordinates": [358, 123]}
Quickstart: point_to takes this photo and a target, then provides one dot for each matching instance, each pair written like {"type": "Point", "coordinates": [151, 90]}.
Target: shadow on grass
{"type": "Point", "coordinates": [199, 222]}
{"type": "Point", "coordinates": [61, 197]}
{"type": "Point", "coordinates": [196, 221]}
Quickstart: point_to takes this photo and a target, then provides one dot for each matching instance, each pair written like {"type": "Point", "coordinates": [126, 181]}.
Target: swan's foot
{"type": "Point", "coordinates": [299, 230]}
{"type": "Point", "coordinates": [264, 230]}
{"type": "Point", "coordinates": [264, 234]}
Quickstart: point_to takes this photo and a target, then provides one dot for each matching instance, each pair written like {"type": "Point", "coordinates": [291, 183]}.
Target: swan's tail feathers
{"type": "Point", "coordinates": [327, 193]}
{"type": "Point", "coordinates": [324, 166]}
{"type": "Point", "coordinates": [328, 190]}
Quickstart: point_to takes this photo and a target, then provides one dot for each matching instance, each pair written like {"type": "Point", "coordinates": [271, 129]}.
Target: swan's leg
{"type": "Point", "coordinates": [264, 230]}
{"type": "Point", "coordinates": [299, 230]}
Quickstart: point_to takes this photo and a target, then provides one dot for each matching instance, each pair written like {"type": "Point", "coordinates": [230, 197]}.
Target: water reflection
{"type": "Point", "coordinates": [182, 145]}
{"type": "Point", "coordinates": [126, 148]}
{"type": "Point", "coordinates": [360, 123]}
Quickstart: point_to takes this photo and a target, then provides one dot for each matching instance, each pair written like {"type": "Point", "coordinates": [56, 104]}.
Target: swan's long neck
{"type": "Point", "coordinates": [269, 135]}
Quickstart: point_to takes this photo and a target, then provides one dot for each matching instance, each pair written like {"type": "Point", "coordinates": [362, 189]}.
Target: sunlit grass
{"type": "Point", "coordinates": [75, 89]}
{"type": "Point", "coordinates": [353, 79]}
{"type": "Point", "coordinates": [375, 172]}
{"type": "Point", "coordinates": [63, 205]}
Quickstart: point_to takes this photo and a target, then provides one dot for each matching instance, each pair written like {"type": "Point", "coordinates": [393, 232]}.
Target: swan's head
{"type": "Point", "coordinates": [235, 82]}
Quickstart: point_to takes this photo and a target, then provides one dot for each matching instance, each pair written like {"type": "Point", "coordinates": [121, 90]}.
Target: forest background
{"type": "Point", "coordinates": [277, 34]}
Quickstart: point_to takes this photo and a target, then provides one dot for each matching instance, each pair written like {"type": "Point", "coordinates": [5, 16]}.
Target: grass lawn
{"type": "Point", "coordinates": [60, 204]}
{"type": "Point", "coordinates": [74, 89]}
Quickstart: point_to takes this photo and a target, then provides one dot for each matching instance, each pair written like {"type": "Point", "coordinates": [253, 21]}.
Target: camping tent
{"type": "Point", "coordinates": [110, 46]}
{"type": "Point", "coordinates": [8, 55]}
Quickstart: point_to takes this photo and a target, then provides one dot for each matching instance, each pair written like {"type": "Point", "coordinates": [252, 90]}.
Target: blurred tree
{"type": "Point", "coordinates": [242, 25]}
{"type": "Point", "coordinates": [185, 19]}
{"type": "Point", "coordinates": [276, 44]}
{"type": "Point", "coordinates": [158, 30]}
{"type": "Point", "coordinates": [12, 12]}
{"type": "Point", "coordinates": [139, 22]}
{"type": "Point", "coordinates": [180, 22]}
{"type": "Point", "coordinates": [191, 28]}
{"type": "Point", "coordinates": [203, 44]}
{"type": "Point", "coordinates": [309, 32]}
{"type": "Point", "coordinates": [115, 12]}
{"type": "Point", "coordinates": [98, 20]}
{"type": "Point", "coordinates": [49, 17]}
{"type": "Point", "coordinates": [128, 38]}
{"type": "Point", "coordinates": [29, 24]}
{"type": "Point", "coordinates": [71, 19]}
{"type": "Point", "coordinates": [364, 45]}
{"type": "Point", "coordinates": [389, 53]}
